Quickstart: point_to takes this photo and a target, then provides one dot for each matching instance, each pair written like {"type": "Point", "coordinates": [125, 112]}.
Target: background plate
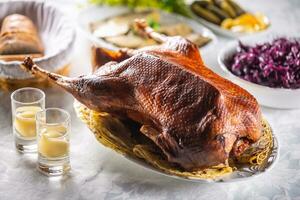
{"type": "Point", "coordinates": [96, 13]}
{"type": "Point", "coordinates": [217, 29]}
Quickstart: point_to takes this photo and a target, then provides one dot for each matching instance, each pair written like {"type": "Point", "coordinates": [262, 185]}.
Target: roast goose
{"type": "Point", "coordinates": [19, 36]}
{"type": "Point", "coordinates": [195, 117]}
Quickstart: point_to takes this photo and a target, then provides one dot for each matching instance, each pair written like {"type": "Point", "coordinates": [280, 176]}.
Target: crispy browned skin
{"type": "Point", "coordinates": [197, 118]}
{"type": "Point", "coordinates": [19, 36]}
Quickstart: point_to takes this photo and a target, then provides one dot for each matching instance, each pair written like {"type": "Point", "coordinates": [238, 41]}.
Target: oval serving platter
{"type": "Point", "coordinates": [243, 172]}
{"type": "Point", "coordinates": [97, 13]}
{"type": "Point", "coordinates": [240, 174]}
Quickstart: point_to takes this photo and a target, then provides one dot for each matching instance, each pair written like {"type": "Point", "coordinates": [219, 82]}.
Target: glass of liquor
{"type": "Point", "coordinates": [53, 128]}
{"type": "Point", "coordinates": [26, 102]}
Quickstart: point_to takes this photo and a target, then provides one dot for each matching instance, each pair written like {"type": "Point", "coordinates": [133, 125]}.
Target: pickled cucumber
{"type": "Point", "coordinates": [203, 3]}
{"type": "Point", "coordinates": [238, 9]}
{"type": "Point", "coordinates": [217, 11]}
{"type": "Point", "coordinates": [226, 7]}
{"type": "Point", "coordinates": [205, 14]}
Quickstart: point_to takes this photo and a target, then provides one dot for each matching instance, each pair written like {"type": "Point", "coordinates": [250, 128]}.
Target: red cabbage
{"type": "Point", "coordinates": [275, 64]}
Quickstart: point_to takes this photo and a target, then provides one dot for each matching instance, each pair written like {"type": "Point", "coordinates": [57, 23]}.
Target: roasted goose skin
{"type": "Point", "coordinates": [196, 118]}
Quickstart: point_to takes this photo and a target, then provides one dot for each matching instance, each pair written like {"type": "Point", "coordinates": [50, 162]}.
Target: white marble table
{"type": "Point", "coordinates": [99, 173]}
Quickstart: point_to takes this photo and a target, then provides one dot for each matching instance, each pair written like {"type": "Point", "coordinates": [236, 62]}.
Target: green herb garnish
{"type": "Point", "coordinates": [153, 23]}
{"type": "Point", "coordinates": [176, 6]}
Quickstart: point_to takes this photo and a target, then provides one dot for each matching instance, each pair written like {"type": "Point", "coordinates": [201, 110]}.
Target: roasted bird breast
{"type": "Point", "coordinates": [195, 117]}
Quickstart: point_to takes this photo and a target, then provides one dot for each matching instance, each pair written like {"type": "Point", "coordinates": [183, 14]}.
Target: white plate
{"type": "Point", "coordinates": [56, 31]}
{"type": "Point", "coordinates": [267, 96]}
{"type": "Point", "coordinates": [240, 174]}
{"type": "Point", "coordinates": [96, 13]}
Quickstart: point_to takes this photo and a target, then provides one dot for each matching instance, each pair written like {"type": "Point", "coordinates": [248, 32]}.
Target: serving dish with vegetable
{"type": "Point", "coordinates": [228, 18]}
{"type": "Point", "coordinates": [267, 67]}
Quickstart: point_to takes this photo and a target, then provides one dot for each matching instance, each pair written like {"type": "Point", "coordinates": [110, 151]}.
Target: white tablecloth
{"type": "Point", "coordinates": [99, 173]}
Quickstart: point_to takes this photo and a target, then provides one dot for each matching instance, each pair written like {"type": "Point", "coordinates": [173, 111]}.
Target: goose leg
{"type": "Point", "coordinates": [149, 32]}
{"type": "Point", "coordinates": [93, 91]}
{"type": "Point", "coordinates": [60, 80]}
{"type": "Point", "coordinates": [176, 43]}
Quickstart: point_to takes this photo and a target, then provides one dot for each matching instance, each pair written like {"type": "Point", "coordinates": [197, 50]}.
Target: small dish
{"type": "Point", "coordinates": [221, 31]}
{"type": "Point", "coordinates": [56, 31]}
{"type": "Point", "coordinates": [97, 13]}
{"type": "Point", "coordinates": [266, 96]}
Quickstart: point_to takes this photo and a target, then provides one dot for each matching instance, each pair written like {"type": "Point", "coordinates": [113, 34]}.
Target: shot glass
{"type": "Point", "coordinates": [53, 128]}
{"type": "Point", "coordinates": [26, 102]}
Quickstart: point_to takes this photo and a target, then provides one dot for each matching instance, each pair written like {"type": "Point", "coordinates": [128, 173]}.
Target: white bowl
{"type": "Point", "coordinates": [96, 13]}
{"type": "Point", "coordinates": [56, 31]}
{"type": "Point", "coordinates": [266, 96]}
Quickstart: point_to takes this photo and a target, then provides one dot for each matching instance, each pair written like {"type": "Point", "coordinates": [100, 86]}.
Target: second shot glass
{"type": "Point", "coordinates": [53, 128]}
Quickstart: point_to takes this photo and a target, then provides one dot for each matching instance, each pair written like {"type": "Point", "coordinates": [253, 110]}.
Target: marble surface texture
{"type": "Point", "coordinates": [99, 173]}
